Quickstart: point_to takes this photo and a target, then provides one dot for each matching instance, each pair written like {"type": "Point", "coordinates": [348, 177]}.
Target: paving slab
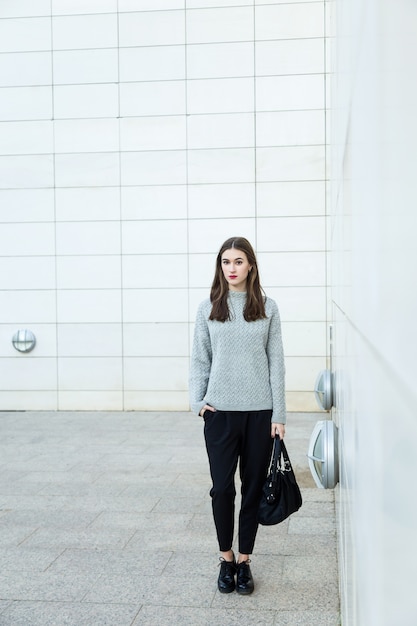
{"type": "Point", "coordinates": [105, 519]}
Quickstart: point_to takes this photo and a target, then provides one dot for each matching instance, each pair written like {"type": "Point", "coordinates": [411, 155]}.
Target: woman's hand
{"type": "Point", "coordinates": [207, 407]}
{"type": "Point", "coordinates": [277, 429]}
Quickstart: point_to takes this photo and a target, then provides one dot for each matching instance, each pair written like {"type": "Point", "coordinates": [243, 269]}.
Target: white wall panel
{"type": "Point", "coordinates": [89, 305]}
{"type": "Point", "coordinates": [224, 95]}
{"type": "Point", "coordinates": [26, 137]}
{"type": "Point", "coordinates": [290, 56]}
{"type": "Point", "coordinates": [27, 307]}
{"type": "Point", "coordinates": [155, 305]}
{"type": "Point", "coordinates": [286, 269]}
{"type": "Point", "coordinates": [27, 239]}
{"type": "Point", "coordinates": [155, 237]}
{"type": "Point", "coordinates": [158, 271]}
{"type": "Point", "coordinates": [19, 172]}
{"type": "Point", "coordinates": [26, 103]}
{"type": "Point", "coordinates": [300, 304]}
{"type": "Point", "coordinates": [304, 339]}
{"type": "Point", "coordinates": [85, 31]}
{"type": "Point", "coordinates": [30, 68]}
{"type": "Point", "coordinates": [207, 235]}
{"type": "Point", "coordinates": [45, 340]}
{"type": "Point", "coordinates": [290, 128]}
{"type": "Point", "coordinates": [220, 60]}
{"type": "Point", "coordinates": [155, 339]}
{"type": "Point", "coordinates": [29, 374]}
{"type": "Point", "coordinates": [95, 374]}
{"type": "Point", "coordinates": [220, 24]}
{"type": "Point", "coordinates": [86, 101]}
{"type": "Point", "coordinates": [90, 340]}
{"type": "Point", "coordinates": [291, 163]}
{"type": "Point", "coordinates": [88, 272]}
{"type": "Point", "coordinates": [153, 28]}
{"type": "Point", "coordinates": [88, 135]}
{"type": "Point", "coordinates": [289, 21]}
{"type": "Point", "coordinates": [201, 4]}
{"type": "Point", "coordinates": [67, 7]}
{"type": "Point", "coordinates": [154, 168]}
{"type": "Point", "coordinates": [104, 400]}
{"type": "Point", "coordinates": [153, 133]}
{"type": "Point", "coordinates": [88, 238]}
{"type": "Point", "coordinates": [85, 66]}
{"type": "Point", "coordinates": [152, 63]}
{"type": "Point", "coordinates": [27, 205]}
{"type": "Point", "coordinates": [290, 198]}
{"type": "Point", "coordinates": [221, 200]}
{"type": "Point", "coordinates": [280, 93]}
{"type": "Point", "coordinates": [289, 234]}
{"type": "Point", "coordinates": [154, 202]}
{"type": "Point", "coordinates": [87, 203]}
{"type": "Point", "coordinates": [156, 373]}
{"type": "Point", "coordinates": [27, 272]}
{"type": "Point", "coordinates": [152, 98]}
{"type": "Point", "coordinates": [149, 5]}
{"type": "Point", "coordinates": [25, 34]}
{"type": "Point", "coordinates": [25, 8]}
{"type": "Point", "coordinates": [87, 170]}
{"type": "Point", "coordinates": [221, 131]}
{"type": "Point", "coordinates": [221, 166]}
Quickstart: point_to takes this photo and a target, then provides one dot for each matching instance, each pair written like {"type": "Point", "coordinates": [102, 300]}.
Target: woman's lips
{"type": "Point", "coordinates": [233, 276]}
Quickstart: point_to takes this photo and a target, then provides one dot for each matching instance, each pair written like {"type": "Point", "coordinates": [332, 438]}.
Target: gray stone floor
{"type": "Point", "coordinates": [105, 519]}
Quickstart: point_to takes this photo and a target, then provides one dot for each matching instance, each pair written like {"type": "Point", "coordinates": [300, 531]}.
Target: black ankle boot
{"type": "Point", "coordinates": [226, 580]}
{"type": "Point", "coordinates": [244, 582]}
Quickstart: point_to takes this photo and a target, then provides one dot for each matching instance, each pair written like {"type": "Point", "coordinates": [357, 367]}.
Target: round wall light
{"type": "Point", "coordinates": [24, 340]}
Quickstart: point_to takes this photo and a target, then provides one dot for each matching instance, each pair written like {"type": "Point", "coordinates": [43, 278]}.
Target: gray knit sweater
{"type": "Point", "coordinates": [238, 365]}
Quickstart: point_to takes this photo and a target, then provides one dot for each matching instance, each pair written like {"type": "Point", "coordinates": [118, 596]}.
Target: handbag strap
{"type": "Point", "coordinates": [276, 458]}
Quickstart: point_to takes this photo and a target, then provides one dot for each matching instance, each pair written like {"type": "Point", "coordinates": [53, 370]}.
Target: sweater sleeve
{"type": "Point", "coordinates": [201, 358]}
{"type": "Point", "coordinates": [275, 354]}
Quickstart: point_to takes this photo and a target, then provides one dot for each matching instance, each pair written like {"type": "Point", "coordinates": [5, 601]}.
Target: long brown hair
{"type": "Point", "coordinates": [255, 300]}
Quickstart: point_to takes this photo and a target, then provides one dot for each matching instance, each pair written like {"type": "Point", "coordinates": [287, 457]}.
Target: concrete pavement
{"type": "Point", "coordinates": [105, 519]}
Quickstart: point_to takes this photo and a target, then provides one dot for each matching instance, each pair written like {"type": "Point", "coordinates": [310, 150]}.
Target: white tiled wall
{"type": "Point", "coordinates": [374, 307]}
{"type": "Point", "coordinates": [135, 137]}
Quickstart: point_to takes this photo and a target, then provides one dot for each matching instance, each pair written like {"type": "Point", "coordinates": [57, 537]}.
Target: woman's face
{"type": "Point", "coordinates": [236, 267]}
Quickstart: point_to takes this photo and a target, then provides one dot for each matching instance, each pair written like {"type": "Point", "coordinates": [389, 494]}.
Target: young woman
{"type": "Point", "coordinates": [237, 384]}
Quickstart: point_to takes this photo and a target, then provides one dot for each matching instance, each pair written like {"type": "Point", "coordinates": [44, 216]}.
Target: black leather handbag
{"type": "Point", "coordinates": [281, 495]}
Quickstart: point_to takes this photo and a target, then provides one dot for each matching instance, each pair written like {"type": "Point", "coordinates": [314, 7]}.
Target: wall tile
{"type": "Point", "coordinates": [208, 235]}
{"type": "Point", "coordinates": [292, 269]}
{"type": "Point", "coordinates": [223, 95]}
{"type": "Point", "coordinates": [18, 172]}
{"type": "Point", "coordinates": [202, 267]}
{"type": "Point", "coordinates": [25, 34]}
{"type": "Point", "coordinates": [290, 128]}
{"type": "Point", "coordinates": [153, 98]}
{"type": "Point", "coordinates": [153, 133]}
{"type": "Point", "coordinates": [25, 68]}
{"type": "Point", "coordinates": [220, 24]}
{"type": "Point", "coordinates": [291, 234]}
{"type": "Point", "coordinates": [220, 60]}
{"type": "Point", "coordinates": [221, 166]}
{"type": "Point", "coordinates": [153, 28]}
{"type": "Point", "coordinates": [25, 8]}
{"type": "Point", "coordinates": [221, 131]}
{"type": "Point", "coordinates": [280, 93]}
{"type": "Point", "coordinates": [26, 103]}
{"type": "Point", "coordinates": [156, 373]}
{"type": "Point", "coordinates": [291, 56]}
{"type": "Point", "coordinates": [45, 340]}
{"type": "Point", "coordinates": [28, 373]}
{"type": "Point", "coordinates": [66, 7]}
{"type": "Point", "coordinates": [27, 273]}
{"type": "Point", "coordinates": [301, 401]}
{"type": "Point", "coordinates": [89, 340]}
{"type": "Point", "coordinates": [27, 205]}
{"type": "Point", "coordinates": [150, 5]}
{"type": "Point", "coordinates": [87, 203]}
{"type": "Point", "coordinates": [27, 239]}
{"type": "Point", "coordinates": [304, 338]}
{"type": "Point", "coordinates": [223, 200]}
{"type": "Point", "coordinates": [91, 135]}
{"type": "Point", "coordinates": [157, 202]}
{"type": "Point", "coordinates": [72, 101]}
{"type": "Point", "coordinates": [88, 238]}
{"type": "Point", "coordinates": [152, 63]}
{"type": "Point", "coordinates": [94, 305]}
{"type": "Point", "coordinates": [21, 400]}
{"type": "Point", "coordinates": [301, 372]}
{"type": "Point", "coordinates": [87, 170]}
{"type": "Point", "coordinates": [154, 168]}
{"type": "Point", "coordinates": [23, 308]}
{"type": "Point", "coordinates": [290, 163]}
{"type": "Point", "coordinates": [291, 198]}
{"type": "Point", "coordinates": [103, 400]}
{"type": "Point", "coordinates": [26, 137]}
{"type": "Point", "coordinates": [85, 31]}
{"type": "Point", "coordinates": [155, 271]}
{"type": "Point", "coordinates": [89, 272]}
{"type": "Point", "coordinates": [289, 21]}
{"type": "Point", "coordinates": [85, 66]}
{"type": "Point", "coordinates": [202, 4]}
{"type": "Point", "coordinates": [150, 401]}
{"type": "Point", "coordinates": [155, 340]}
{"type": "Point", "coordinates": [155, 305]}
{"type": "Point", "coordinates": [95, 374]}
{"type": "Point", "coordinates": [300, 304]}
{"type": "Point", "coordinates": [154, 236]}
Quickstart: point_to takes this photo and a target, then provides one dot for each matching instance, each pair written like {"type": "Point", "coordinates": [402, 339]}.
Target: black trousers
{"type": "Point", "coordinates": [233, 436]}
